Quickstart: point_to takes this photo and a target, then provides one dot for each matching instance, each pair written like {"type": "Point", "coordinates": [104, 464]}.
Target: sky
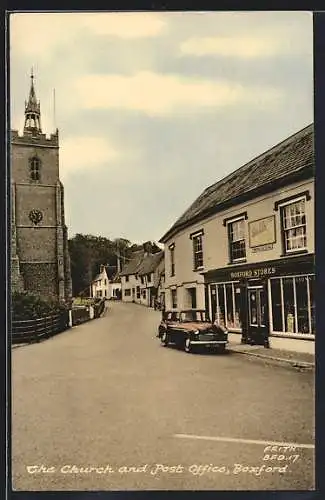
{"type": "Point", "coordinates": [153, 107]}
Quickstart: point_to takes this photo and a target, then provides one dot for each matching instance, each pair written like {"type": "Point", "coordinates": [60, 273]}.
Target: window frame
{"type": "Point", "coordinates": [281, 206]}
{"type": "Point", "coordinates": [35, 165]}
{"type": "Point", "coordinates": [198, 256]}
{"type": "Point", "coordinates": [173, 295]}
{"type": "Point", "coordinates": [240, 218]}
{"type": "Point", "coordinates": [172, 259]}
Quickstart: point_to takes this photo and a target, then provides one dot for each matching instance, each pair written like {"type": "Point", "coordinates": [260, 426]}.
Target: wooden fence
{"type": "Point", "coordinates": [34, 330]}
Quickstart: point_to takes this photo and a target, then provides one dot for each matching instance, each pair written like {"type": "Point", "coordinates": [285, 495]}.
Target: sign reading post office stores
{"type": "Point", "coordinates": [262, 232]}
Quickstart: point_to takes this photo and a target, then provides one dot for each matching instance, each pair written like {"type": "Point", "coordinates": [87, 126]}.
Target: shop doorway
{"type": "Point", "coordinates": [257, 315]}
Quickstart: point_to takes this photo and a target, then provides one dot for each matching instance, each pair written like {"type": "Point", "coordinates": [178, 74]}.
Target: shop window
{"type": "Point", "coordinates": [225, 304]}
{"type": "Point", "coordinates": [221, 312]}
{"type": "Point", "coordinates": [293, 308]}
{"type": "Point", "coordinates": [236, 237]}
{"type": "Point", "coordinates": [293, 218]}
{"type": "Point", "coordinates": [127, 292]}
{"type": "Point", "coordinates": [276, 305]}
{"type": "Point", "coordinates": [138, 292]}
{"type": "Point", "coordinates": [174, 298]}
{"type": "Point", "coordinates": [35, 168]}
{"type": "Point", "coordinates": [144, 294]}
{"type": "Point", "coordinates": [197, 251]}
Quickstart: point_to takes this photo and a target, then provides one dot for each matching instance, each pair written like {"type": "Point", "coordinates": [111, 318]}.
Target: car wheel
{"type": "Point", "coordinates": [221, 349]}
{"type": "Point", "coordinates": [164, 338]}
{"type": "Point", "coordinates": [188, 345]}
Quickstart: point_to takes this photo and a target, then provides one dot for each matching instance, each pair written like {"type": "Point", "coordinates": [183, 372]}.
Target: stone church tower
{"type": "Point", "coordinates": [40, 260]}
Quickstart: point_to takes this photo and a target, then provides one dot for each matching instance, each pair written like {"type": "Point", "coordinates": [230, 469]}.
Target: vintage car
{"type": "Point", "coordinates": [190, 329]}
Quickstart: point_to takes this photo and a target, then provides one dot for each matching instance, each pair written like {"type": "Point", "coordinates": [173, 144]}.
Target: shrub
{"type": "Point", "coordinates": [26, 306]}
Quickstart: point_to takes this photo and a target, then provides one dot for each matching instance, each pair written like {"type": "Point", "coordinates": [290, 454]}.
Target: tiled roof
{"type": "Point", "coordinates": [292, 155]}
{"type": "Point", "coordinates": [133, 265]}
{"type": "Point", "coordinates": [150, 262]}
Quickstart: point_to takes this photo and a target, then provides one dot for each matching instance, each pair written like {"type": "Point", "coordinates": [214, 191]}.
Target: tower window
{"type": "Point", "coordinates": [35, 169]}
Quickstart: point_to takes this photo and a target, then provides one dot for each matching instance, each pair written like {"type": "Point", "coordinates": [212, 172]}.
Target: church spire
{"type": "Point", "coordinates": [32, 111]}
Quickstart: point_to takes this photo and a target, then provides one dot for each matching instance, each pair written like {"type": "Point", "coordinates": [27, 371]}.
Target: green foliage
{"type": "Point", "coordinates": [26, 306]}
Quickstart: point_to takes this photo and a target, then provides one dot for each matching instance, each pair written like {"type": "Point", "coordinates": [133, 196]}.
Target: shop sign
{"type": "Point", "coordinates": [253, 273]}
{"type": "Point", "coordinates": [262, 232]}
{"type": "Point", "coordinates": [262, 248]}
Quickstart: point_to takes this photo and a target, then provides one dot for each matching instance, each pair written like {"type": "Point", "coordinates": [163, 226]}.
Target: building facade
{"type": "Point", "coordinates": [40, 261]}
{"type": "Point", "coordinates": [244, 250]}
{"type": "Point", "coordinates": [104, 286]}
{"type": "Point", "coordinates": [140, 278]}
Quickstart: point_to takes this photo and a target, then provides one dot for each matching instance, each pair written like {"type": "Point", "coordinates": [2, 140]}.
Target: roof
{"type": "Point", "coordinates": [150, 262]}
{"type": "Point", "coordinates": [133, 265]}
{"type": "Point", "coordinates": [142, 263]}
{"type": "Point", "coordinates": [291, 157]}
{"type": "Point", "coordinates": [110, 272]}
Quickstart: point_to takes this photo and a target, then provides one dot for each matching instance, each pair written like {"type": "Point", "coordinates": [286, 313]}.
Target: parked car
{"type": "Point", "coordinates": [190, 329]}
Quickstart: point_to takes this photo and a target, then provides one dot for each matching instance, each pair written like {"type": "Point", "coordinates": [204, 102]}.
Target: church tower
{"type": "Point", "coordinates": [40, 260]}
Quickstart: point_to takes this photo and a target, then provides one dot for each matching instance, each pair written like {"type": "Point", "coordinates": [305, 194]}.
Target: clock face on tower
{"type": "Point", "coordinates": [35, 216]}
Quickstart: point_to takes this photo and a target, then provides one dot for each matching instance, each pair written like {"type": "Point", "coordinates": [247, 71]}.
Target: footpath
{"type": "Point", "coordinates": [299, 360]}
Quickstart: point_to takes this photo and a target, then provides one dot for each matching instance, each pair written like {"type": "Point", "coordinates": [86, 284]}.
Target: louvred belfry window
{"type": "Point", "coordinates": [35, 168]}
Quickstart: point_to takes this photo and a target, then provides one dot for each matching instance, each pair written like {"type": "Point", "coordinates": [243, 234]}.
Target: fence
{"type": "Point", "coordinates": [33, 330]}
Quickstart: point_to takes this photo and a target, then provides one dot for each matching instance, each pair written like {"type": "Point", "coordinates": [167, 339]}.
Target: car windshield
{"type": "Point", "coordinates": [193, 316]}
{"type": "Point", "coordinates": [173, 316]}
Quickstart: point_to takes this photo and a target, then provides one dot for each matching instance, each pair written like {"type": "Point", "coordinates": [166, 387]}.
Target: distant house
{"type": "Point", "coordinates": [141, 277]}
{"type": "Point", "coordinates": [106, 284]}
{"type": "Point", "coordinates": [130, 285]}
{"type": "Point", "coordinates": [149, 275]}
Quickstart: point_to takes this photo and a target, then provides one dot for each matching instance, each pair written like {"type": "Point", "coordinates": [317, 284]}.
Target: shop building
{"type": "Point", "coordinates": [244, 250]}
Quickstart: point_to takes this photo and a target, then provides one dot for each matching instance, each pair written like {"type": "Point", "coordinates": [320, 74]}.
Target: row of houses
{"type": "Point", "coordinates": [244, 250]}
{"type": "Point", "coordinates": [141, 280]}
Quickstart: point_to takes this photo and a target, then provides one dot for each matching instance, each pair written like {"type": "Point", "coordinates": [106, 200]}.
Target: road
{"type": "Point", "coordinates": [104, 407]}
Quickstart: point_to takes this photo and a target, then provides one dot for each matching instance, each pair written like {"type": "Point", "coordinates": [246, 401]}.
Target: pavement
{"type": "Point", "coordinates": [103, 406]}
{"type": "Point", "coordinates": [298, 360]}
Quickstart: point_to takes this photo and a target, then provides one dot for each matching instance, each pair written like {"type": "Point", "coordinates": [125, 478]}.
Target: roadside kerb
{"type": "Point", "coordinates": [291, 362]}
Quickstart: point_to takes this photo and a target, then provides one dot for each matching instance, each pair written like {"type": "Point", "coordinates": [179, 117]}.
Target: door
{"type": "Point", "coordinates": [257, 315]}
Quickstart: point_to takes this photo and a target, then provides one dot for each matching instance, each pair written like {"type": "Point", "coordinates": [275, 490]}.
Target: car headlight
{"type": "Point", "coordinates": [196, 332]}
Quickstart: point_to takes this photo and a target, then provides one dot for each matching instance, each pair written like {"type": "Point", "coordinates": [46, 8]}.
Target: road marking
{"type": "Point", "coordinates": [244, 441]}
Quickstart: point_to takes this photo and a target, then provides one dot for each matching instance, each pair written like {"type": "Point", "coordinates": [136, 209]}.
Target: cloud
{"type": "Point", "coordinates": [156, 94]}
{"type": "Point", "coordinates": [262, 41]}
{"type": "Point", "coordinates": [38, 34]}
{"type": "Point", "coordinates": [80, 153]}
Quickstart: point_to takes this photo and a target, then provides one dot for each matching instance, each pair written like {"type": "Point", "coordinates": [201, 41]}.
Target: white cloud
{"type": "Point", "coordinates": [156, 94]}
{"type": "Point", "coordinates": [37, 34]}
{"type": "Point", "coordinates": [262, 41]}
{"type": "Point", "coordinates": [80, 153]}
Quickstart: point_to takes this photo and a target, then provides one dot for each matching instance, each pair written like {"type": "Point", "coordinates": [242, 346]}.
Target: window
{"type": "Point", "coordinates": [144, 294]}
{"type": "Point", "coordinates": [35, 168]}
{"type": "Point", "coordinates": [105, 282]}
{"type": "Point", "coordinates": [197, 251]}
{"type": "Point", "coordinates": [174, 298]}
{"type": "Point", "coordinates": [172, 260]}
{"type": "Point", "coordinates": [149, 278]}
{"type": "Point", "coordinates": [236, 237]}
{"type": "Point", "coordinates": [225, 303]}
{"type": "Point", "coordinates": [126, 278]}
{"type": "Point", "coordinates": [127, 292]}
{"type": "Point", "coordinates": [293, 308]}
{"type": "Point", "coordinates": [293, 218]}
{"type": "Point", "coordinates": [138, 292]}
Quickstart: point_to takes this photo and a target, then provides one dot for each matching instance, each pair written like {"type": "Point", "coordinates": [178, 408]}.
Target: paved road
{"type": "Point", "coordinates": [106, 394]}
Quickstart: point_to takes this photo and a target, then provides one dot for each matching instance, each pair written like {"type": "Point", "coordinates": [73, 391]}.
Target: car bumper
{"type": "Point", "coordinates": [210, 342]}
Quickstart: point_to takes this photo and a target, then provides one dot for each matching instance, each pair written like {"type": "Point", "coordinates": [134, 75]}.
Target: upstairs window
{"type": "Point", "coordinates": [293, 218]}
{"type": "Point", "coordinates": [172, 260]}
{"type": "Point", "coordinates": [174, 298]}
{"type": "Point", "coordinates": [149, 278]}
{"type": "Point", "coordinates": [35, 168]}
{"type": "Point", "coordinates": [236, 238]}
{"type": "Point", "coordinates": [197, 250]}
{"type": "Point", "coordinates": [126, 278]}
